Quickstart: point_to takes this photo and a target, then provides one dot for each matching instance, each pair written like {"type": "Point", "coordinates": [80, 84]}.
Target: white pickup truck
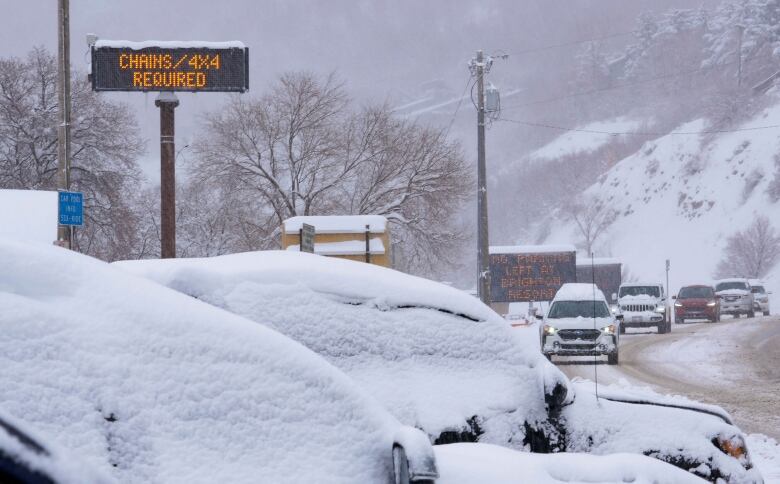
{"type": "Point", "coordinates": [643, 305]}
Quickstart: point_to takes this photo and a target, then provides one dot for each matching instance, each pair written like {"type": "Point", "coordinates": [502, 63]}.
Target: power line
{"type": "Point", "coordinates": [635, 133]}
{"type": "Point", "coordinates": [457, 108]}
{"type": "Point", "coordinates": [566, 44]}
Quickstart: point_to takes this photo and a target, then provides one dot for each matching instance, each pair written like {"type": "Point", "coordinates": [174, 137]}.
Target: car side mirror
{"type": "Point", "coordinates": [614, 297]}
{"type": "Point", "coordinates": [539, 316]}
{"type": "Point", "coordinates": [619, 317]}
{"type": "Point", "coordinates": [413, 457]}
{"type": "Point", "coordinates": [674, 297]}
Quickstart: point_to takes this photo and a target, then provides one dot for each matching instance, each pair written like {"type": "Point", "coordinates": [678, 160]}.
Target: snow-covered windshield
{"type": "Point", "coordinates": [757, 289]}
{"type": "Point", "coordinates": [640, 291]}
{"type": "Point", "coordinates": [724, 286]}
{"type": "Point", "coordinates": [574, 309]}
{"type": "Point", "coordinates": [696, 293]}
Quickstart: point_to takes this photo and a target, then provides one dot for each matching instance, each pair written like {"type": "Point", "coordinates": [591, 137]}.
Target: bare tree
{"type": "Point", "coordinates": [751, 252]}
{"type": "Point", "coordinates": [302, 150]}
{"type": "Point", "coordinates": [592, 218]}
{"type": "Point", "coordinates": [105, 147]}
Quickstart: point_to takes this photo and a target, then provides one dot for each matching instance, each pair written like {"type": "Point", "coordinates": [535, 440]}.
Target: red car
{"type": "Point", "coordinates": [696, 302]}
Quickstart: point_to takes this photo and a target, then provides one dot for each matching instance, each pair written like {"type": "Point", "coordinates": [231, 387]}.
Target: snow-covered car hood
{"type": "Point", "coordinates": [579, 323]}
{"type": "Point", "coordinates": [733, 292]}
{"type": "Point", "coordinates": [149, 385]}
{"type": "Point", "coordinates": [644, 299]}
{"type": "Point", "coordinates": [435, 356]}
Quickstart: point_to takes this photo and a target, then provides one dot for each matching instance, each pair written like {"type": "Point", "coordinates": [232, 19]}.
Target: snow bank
{"type": "Point", "coordinates": [29, 216]}
{"type": "Point", "coordinates": [402, 338]}
{"type": "Point", "coordinates": [149, 385]}
{"type": "Point", "coordinates": [328, 224]}
{"type": "Point", "coordinates": [583, 142]}
{"type": "Point", "coordinates": [766, 455]}
{"type": "Point", "coordinates": [472, 463]}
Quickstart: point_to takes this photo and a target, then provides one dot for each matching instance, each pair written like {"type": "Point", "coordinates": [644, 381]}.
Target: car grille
{"type": "Point", "coordinates": [575, 346]}
{"type": "Point", "coordinates": [586, 334]}
{"type": "Point", "coordinates": [732, 298]}
{"type": "Point", "coordinates": [637, 308]}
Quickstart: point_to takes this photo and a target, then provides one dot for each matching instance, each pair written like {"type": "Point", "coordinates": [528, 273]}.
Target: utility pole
{"type": "Point", "coordinates": [64, 233]}
{"type": "Point", "coordinates": [479, 67]}
{"type": "Point", "coordinates": [167, 102]}
{"type": "Point", "coordinates": [741, 31]}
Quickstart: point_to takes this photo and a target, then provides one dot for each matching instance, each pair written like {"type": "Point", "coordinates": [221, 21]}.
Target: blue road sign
{"type": "Point", "coordinates": [71, 208]}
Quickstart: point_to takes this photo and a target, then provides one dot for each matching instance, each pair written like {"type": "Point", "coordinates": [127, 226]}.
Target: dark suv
{"type": "Point", "coordinates": [696, 302]}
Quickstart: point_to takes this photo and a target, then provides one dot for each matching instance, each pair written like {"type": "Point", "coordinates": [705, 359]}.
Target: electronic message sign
{"type": "Point", "coordinates": [533, 275]}
{"type": "Point", "coordinates": [170, 66]}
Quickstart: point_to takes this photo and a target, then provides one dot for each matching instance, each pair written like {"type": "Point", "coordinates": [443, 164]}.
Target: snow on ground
{"type": "Point", "coordinates": [681, 196]}
{"type": "Point", "coordinates": [402, 338]}
{"type": "Point", "coordinates": [36, 223]}
{"type": "Point", "coordinates": [585, 141]}
{"type": "Point", "coordinates": [766, 456]}
{"type": "Point", "coordinates": [149, 385]}
{"type": "Point", "coordinates": [472, 463]}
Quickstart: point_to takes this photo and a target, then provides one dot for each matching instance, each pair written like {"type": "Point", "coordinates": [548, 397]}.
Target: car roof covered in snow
{"type": "Point", "coordinates": [432, 354]}
{"type": "Point", "coordinates": [579, 291]}
{"type": "Point", "coordinates": [150, 385]}
{"type": "Point", "coordinates": [733, 279]}
{"type": "Point", "coordinates": [640, 284]}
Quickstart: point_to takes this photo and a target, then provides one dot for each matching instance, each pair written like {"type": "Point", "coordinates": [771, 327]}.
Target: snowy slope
{"type": "Point", "coordinates": [588, 139]}
{"type": "Point", "coordinates": [681, 196]}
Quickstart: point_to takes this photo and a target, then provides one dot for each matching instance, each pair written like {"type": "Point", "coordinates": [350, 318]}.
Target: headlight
{"type": "Point", "coordinates": [611, 329]}
{"type": "Point", "coordinates": [549, 330]}
{"type": "Point", "coordinates": [660, 309]}
{"type": "Point", "coordinates": [712, 304]}
{"type": "Point", "coordinates": [735, 447]}
{"type": "Point", "coordinates": [615, 309]}
{"type": "Point", "coordinates": [678, 305]}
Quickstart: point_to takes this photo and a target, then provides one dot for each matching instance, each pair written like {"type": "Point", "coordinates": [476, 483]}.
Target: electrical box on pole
{"type": "Point", "coordinates": [492, 99]}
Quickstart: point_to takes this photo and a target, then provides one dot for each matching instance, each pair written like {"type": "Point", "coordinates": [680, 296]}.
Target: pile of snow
{"type": "Point", "coordinates": [680, 197]}
{"type": "Point", "coordinates": [342, 224]}
{"type": "Point", "coordinates": [471, 463]}
{"type": "Point", "coordinates": [588, 139]}
{"type": "Point", "coordinates": [149, 385]}
{"type": "Point", "coordinates": [433, 355]}
{"type": "Point", "coordinates": [29, 216]}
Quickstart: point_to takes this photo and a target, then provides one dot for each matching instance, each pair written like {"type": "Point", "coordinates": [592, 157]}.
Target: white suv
{"type": "Point", "coordinates": [579, 323]}
{"type": "Point", "coordinates": [760, 296]}
{"type": "Point", "coordinates": [643, 305]}
{"type": "Point", "coordinates": [735, 297]}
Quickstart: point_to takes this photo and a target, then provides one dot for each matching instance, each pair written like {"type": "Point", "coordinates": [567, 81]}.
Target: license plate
{"type": "Point", "coordinates": [636, 319]}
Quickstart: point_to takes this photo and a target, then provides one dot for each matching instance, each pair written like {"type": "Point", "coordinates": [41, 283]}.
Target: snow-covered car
{"type": "Point", "coordinates": [440, 360]}
{"type": "Point", "coordinates": [644, 305]}
{"type": "Point", "coordinates": [760, 296]}
{"type": "Point", "coordinates": [696, 302]}
{"type": "Point", "coordinates": [736, 298]}
{"type": "Point", "coordinates": [27, 458]}
{"type": "Point", "coordinates": [580, 323]}
{"type": "Point", "coordinates": [146, 384]}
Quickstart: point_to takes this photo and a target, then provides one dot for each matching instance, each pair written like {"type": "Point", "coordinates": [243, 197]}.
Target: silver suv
{"type": "Point", "coordinates": [736, 297]}
{"type": "Point", "coordinates": [760, 296]}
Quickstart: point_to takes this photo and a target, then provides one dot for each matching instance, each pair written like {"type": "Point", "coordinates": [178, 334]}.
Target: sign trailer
{"type": "Point", "coordinates": [168, 67]}
{"type": "Point", "coordinates": [530, 273]}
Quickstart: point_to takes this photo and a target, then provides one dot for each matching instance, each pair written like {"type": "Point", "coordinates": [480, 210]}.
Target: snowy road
{"type": "Point", "coordinates": [734, 364]}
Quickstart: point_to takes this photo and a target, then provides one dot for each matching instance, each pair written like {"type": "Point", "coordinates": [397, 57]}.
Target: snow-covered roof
{"type": "Point", "coordinates": [402, 338]}
{"type": "Point", "coordinates": [531, 249]}
{"type": "Point", "coordinates": [29, 215]}
{"type": "Point", "coordinates": [732, 279]}
{"type": "Point", "coordinates": [640, 284]}
{"type": "Point", "coordinates": [330, 224]}
{"type": "Point", "coordinates": [346, 247]}
{"type": "Point", "coordinates": [578, 291]}
{"type": "Point", "coordinates": [598, 261]}
{"type": "Point", "coordinates": [150, 385]}
{"type": "Point", "coordinates": [169, 44]}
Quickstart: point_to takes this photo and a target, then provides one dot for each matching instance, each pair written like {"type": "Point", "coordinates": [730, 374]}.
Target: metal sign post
{"type": "Point", "coordinates": [167, 102]}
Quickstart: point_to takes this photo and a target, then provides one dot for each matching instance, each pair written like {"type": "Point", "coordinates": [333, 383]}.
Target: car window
{"type": "Point", "coordinates": [696, 293]}
{"type": "Point", "coordinates": [640, 291]}
{"type": "Point", "coordinates": [757, 289]}
{"type": "Point", "coordinates": [574, 309]}
{"type": "Point", "coordinates": [724, 286]}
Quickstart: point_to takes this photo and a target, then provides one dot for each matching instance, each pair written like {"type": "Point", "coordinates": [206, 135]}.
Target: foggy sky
{"type": "Point", "coordinates": [383, 50]}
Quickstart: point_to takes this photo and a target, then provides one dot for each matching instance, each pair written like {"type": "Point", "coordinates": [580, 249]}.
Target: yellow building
{"type": "Point", "coordinates": [343, 236]}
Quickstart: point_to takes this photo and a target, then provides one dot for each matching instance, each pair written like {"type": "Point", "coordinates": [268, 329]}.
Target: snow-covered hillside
{"type": "Point", "coordinates": [681, 195]}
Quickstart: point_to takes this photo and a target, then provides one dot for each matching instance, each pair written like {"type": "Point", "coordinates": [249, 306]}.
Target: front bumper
{"type": "Point", "coordinates": [644, 319]}
{"type": "Point", "coordinates": [705, 312]}
{"type": "Point", "coordinates": [587, 345]}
